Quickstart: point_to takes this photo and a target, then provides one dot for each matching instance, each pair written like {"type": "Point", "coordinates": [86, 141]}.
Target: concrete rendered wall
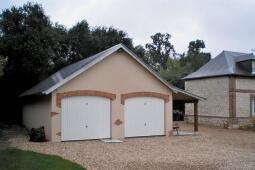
{"type": "Point", "coordinates": [37, 114]}
{"type": "Point", "coordinates": [214, 110]}
{"type": "Point", "coordinates": [117, 74]}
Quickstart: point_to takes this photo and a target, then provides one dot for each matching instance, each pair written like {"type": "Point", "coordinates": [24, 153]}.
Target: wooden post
{"type": "Point", "coordinates": [196, 117]}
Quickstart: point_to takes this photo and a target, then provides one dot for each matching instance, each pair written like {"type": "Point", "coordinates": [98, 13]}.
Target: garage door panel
{"type": "Point", "coordinates": [144, 116]}
{"type": "Point", "coordinates": [73, 117]}
{"type": "Point", "coordinates": [85, 117]}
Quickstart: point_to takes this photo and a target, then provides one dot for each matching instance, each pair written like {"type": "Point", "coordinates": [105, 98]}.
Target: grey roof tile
{"type": "Point", "coordinates": [226, 63]}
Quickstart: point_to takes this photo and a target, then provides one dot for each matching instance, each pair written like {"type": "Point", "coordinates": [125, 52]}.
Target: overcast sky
{"type": "Point", "coordinates": [222, 24]}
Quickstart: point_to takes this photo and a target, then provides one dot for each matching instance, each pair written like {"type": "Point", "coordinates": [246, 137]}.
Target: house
{"type": "Point", "coordinates": [112, 94]}
{"type": "Point", "coordinates": [228, 84]}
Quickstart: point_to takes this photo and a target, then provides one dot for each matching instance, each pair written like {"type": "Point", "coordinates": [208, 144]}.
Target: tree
{"type": "Point", "coordinates": [58, 49]}
{"type": "Point", "coordinates": [174, 72]}
{"type": "Point", "coordinates": [142, 54]}
{"type": "Point", "coordinates": [29, 42]}
{"type": "Point", "coordinates": [31, 47]}
{"type": "Point", "coordinates": [80, 41]}
{"type": "Point", "coordinates": [2, 61]}
{"type": "Point", "coordinates": [85, 42]}
{"type": "Point", "coordinates": [160, 50]}
{"type": "Point", "coordinates": [195, 56]}
{"type": "Point", "coordinates": [108, 37]}
{"type": "Point", "coordinates": [196, 46]}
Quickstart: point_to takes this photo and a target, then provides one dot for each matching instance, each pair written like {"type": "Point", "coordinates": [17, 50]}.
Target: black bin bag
{"type": "Point", "coordinates": [37, 134]}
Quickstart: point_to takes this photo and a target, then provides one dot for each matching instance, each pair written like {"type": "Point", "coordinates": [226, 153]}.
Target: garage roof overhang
{"type": "Point", "coordinates": [187, 97]}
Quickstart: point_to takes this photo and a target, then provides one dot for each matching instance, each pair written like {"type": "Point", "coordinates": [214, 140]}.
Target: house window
{"type": "Point", "coordinates": [253, 67]}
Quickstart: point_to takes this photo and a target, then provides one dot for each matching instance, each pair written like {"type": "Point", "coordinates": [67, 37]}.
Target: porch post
{"type": "Point", "coordinates": [196, 117]}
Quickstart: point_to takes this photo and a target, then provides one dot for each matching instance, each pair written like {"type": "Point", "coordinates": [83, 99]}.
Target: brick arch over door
{"type": "Point", "coordinates": [139, 94]}
{"type": "Point", "coordinates": [83, 93]}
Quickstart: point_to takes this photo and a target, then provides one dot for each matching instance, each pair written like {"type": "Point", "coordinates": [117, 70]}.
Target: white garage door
{"type": "Point", "coordinates": [144, 116]}
{"type": "Point", "coordinates": [85, 117]}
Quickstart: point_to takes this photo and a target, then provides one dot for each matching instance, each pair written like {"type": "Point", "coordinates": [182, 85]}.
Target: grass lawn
{"type": "Point", "coordinates": [12, 159]}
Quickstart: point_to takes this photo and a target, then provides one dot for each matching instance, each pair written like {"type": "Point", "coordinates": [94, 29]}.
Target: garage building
{"type": "Point", "coordinates": [112, 94]}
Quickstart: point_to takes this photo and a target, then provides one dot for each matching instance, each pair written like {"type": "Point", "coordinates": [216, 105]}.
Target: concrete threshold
{"type": "Point", "coordinates": [184, 133]}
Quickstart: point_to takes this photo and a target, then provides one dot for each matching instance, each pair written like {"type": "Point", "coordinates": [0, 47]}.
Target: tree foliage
{"type": "Point", "coordinates": [85, 42]}
{"type": "Point", "coordinates": [177, 68]}
{"type": "Point", "coordinates": [29, 43]}
{"type": "Point", "coordinates": [143, 54]}
{"type": "Point", "coordinates": [31, 47]}
{"type": "Point", "coordinates": [160, 50]}
{"type": "Point", "coordinates": [196, 46]}
{"type": "Point", "coordinates": [175, 72]}
{"type": "Point", "coordinates": [2, 61]}
{"type": "Point", "coordinates": [80, 41]}
{"type": "Point", "coordinates": [104, 38]}
{"type": "Point", "coordinates": [195, 56]}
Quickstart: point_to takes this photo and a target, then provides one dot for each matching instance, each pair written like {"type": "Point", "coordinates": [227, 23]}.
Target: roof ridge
{"type": "Point", "coordinates": [227, 61]}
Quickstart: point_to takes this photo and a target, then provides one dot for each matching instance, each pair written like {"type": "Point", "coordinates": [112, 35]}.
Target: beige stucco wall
{"type": "Point", "coordinates": [215, 90]}
{"type": "Point", "coordinates": [37, 114]}
{"type": "Point", "coordinates": [117, 74]}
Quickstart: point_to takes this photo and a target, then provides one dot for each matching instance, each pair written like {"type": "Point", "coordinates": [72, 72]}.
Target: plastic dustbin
{"type": "Point", "coordinates": [225, 125]}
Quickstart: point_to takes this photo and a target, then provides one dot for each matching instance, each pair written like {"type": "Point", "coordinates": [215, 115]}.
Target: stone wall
{"type": "Point", "coordinates": [245, 123]}
{"type": "Point", "coordinates": [226, 97]}
{"type": "Point", "coordinates": [215, 90]}
{"type": "Point", "coordinates": [245, 91]}
{"type": "Point", "coordinates": [242, 123]}
{"type": "Point", "coordinates": [245, 83]}
{"type": "Point", "coordinates": [243, 105]}
{"type": "Point", "coordinates": [214, 121]}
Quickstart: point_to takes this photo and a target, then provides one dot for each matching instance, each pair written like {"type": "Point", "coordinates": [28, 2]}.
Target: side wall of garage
{"type": "Point", "coordinates": [116, 75]}
{"type": "Point", "coordinates": [38, 114]}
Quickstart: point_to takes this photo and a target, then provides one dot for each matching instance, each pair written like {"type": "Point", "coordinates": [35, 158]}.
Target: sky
{"type": "Point", "coordinates": [222, 24]}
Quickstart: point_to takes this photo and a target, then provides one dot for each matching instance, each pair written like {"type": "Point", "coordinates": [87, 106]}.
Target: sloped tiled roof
{"type": "Point", "coordinates": [67, 73]}
{"type": "Point", "coordinates": [226, 63]}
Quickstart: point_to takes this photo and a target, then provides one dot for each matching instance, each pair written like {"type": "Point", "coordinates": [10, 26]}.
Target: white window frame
{"type": "Point", "coordinates": [253, 67]}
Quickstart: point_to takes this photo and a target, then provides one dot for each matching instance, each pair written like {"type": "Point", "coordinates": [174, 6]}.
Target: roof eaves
{"type": "Point", "coordinates": [190, 94]}
{"type": "Point", "coordinates": [222, 75]}
{"type": "Point", "coordinates": [34, 94]}
{"type": "Point", "coordinates": [211, 76]}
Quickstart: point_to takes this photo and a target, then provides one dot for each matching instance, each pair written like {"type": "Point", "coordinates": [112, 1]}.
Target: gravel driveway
{"type": "Point", "coordinates": [213, 148]}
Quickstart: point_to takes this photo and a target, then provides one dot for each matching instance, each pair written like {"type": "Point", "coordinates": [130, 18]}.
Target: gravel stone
{"type": "Point", "coordinates": [212, 148]}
